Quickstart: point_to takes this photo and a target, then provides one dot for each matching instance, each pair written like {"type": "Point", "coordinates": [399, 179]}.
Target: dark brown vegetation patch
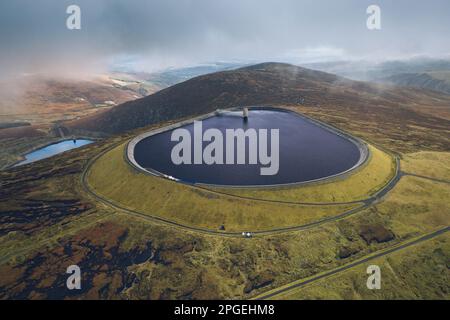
{"type": "Point", "coordinates": [376, 232]}
{"type": "Point", "coordinates": [258, 280]}
{"type": "Point", "coordinates": [36, 215]}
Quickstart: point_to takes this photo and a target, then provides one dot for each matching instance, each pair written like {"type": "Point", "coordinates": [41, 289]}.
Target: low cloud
{"type": "Point", "coordinates": [162, 33]}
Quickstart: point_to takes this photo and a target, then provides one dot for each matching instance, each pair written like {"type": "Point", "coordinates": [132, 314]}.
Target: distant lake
{"type": "Point", "coordinates": [308, 151]}
{"type": "Point", "coordinates": [52, 150]}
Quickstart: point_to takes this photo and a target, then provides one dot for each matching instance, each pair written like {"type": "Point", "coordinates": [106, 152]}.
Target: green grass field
{"type": "Point", "coordinates": [195, 265]}
{"type": "Point", "coordinates": [112, 178]}
{"type": "Point", "coordinates": [431, 164]}
{"type": "Point", "coordinates": [416, 206]}
{"type": "Point", "coordinates": [417, 272]}
{"type": "Point", "coordinates": [173, 263]}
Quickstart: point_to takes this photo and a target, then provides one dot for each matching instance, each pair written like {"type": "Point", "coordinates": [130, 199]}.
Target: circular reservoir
{"type": "Point", "coordinates": [308, 150]}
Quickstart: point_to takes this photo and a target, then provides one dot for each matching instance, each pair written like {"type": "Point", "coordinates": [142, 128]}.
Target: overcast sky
{"type": "Point", "coordinates": [161, 33]}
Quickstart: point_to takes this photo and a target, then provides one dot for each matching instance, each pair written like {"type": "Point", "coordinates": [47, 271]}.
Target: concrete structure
{"type": "Point", "coordinates": [245, 113]}
{"type": "Point", "coordinates": [362, 146]}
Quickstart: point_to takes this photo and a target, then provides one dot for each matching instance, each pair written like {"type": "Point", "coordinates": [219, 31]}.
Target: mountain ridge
{"type": "Point", "coordinates": [277, 84]}
{"type": "Point", "coordinates": [420, 81]}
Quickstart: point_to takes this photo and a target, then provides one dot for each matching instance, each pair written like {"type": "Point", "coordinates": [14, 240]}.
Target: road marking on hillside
{"type": "Point", "coordinates": [300, 283]}
{"type": "Point", "coordinates": [366, 204]}
{"type": "Point", "coordinates": [425, 177]}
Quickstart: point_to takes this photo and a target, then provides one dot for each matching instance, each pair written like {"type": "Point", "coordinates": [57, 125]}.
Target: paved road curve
{"type": "Point", "coordinates": [353, 264]}
{"type": "Point", "coordinates": [366, 203]}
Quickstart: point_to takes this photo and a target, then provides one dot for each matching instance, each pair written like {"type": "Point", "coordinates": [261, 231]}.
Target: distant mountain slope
{"type": "Point", "coordinates": [169, 77]}
{"type": "Point", "coordinates": [372, 71]}
{"type": "Point", "coordinates": [278, 84]}
{"type": "Point", "coordinates": [42, 99]}
{"type": "Point", "coordinates": [420, 80]}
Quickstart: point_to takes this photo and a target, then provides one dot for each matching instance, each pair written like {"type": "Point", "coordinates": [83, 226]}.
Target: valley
{"type": "Point", "coordinates": [137, 236]}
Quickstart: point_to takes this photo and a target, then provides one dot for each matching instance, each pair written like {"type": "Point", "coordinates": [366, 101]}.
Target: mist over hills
{"type": "Point", "coordinates": [265, 84]}
{"type": "Point", "coordinates": [420, 72]}
{"type": "Point", "coordinates": [169, 77]}
{"type": "Point", "coordinates": [366, 70]}
{"type": "Point", "coordinates": [107, 71]}
{"type": "Point", "coordinates": [431, 81]}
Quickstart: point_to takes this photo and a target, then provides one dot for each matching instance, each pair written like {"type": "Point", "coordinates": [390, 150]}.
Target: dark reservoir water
{"type": "Point", "coordinates": [307, 152]}
{"type": "Point", "coordinates": [52, 150]}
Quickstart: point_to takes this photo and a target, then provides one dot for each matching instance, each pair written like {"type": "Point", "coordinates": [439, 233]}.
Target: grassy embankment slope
{"type": "Point", "coordinates": [415, 206]}
{"type": "Point", "coordinates": [132, 258]}
{"type": "Point", "coordinates": [111, 177]}
{"type": "Point", "coordinates": [48, 222]}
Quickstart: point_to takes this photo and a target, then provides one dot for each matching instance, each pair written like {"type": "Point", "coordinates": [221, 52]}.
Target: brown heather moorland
{"type": "Point", "coordinates": [49, 220]}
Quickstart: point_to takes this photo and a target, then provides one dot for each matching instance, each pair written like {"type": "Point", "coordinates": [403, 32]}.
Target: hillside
{"type": "Point", "coordinates": [373, 71]}
{"type": "Point", "coordinates": [316, 93]}
{"type": "Point", "coordinates": [42, 99]}
{"type": "Point", "coordinates": [53, 216]}
{"type": "Point", "coordinates": [430, 81]}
